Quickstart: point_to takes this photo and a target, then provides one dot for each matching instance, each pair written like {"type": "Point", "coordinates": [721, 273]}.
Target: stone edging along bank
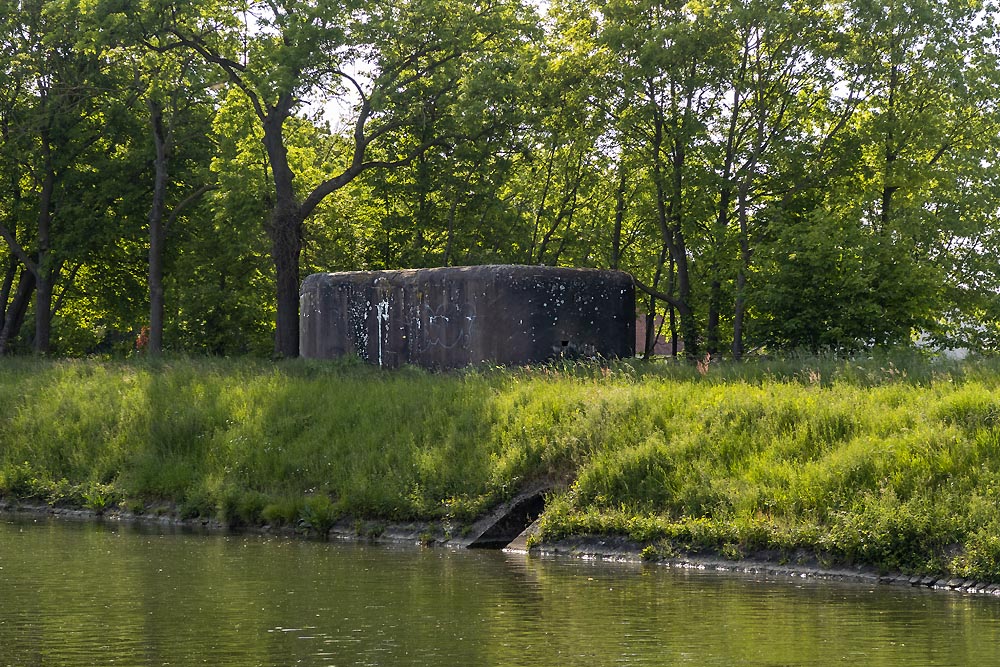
{"type": "Point", "coordinates": [603, 548]}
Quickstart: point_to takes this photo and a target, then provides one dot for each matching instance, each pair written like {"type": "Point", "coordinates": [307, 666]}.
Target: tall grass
{"type": "Point", "coordinates": [893, 462]}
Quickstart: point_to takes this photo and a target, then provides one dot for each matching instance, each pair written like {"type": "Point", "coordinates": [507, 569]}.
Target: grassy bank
{"type": "Point", "coordinates": [894, 464]}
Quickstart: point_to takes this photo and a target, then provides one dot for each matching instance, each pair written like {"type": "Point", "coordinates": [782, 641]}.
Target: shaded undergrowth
{"type": "Point", "coordinates": [888, 462]}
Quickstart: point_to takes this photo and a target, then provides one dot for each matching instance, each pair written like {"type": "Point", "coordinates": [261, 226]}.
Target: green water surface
{"type": "Point", "coordinates": [80, 594]}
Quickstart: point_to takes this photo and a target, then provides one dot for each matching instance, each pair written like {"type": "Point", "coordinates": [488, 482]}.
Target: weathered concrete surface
{"type": "Point", "coordinates": [452, 317]}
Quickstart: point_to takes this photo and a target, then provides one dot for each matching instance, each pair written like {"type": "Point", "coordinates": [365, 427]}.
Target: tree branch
{"type": "Point", "coordinates": [656, 294]}
{"type": "Point", "coordinates": [321, 191]}
{"type": "Point", "coordinates": [18, 251]}
{"type": "Point", "coordinates": [187, 201]}
{"type": "Point", "coordinates": [230, 67]}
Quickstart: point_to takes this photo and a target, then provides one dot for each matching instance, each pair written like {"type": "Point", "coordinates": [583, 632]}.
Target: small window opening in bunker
{"type": "Point", "coordinates": [565, 343]}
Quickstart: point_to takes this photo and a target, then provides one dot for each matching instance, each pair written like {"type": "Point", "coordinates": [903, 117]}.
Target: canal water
{"type": "Point", "coordinates": [80, 594]}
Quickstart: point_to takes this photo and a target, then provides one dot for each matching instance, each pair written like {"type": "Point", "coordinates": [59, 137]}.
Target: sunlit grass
{"type": "Point", "coordinates": [893, 462]}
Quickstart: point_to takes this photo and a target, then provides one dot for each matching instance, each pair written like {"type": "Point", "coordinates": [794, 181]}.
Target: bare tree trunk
{"type": "Point", "coordinates": [566, 211]}
{"type": "Point", "coordinates": [67, 284]}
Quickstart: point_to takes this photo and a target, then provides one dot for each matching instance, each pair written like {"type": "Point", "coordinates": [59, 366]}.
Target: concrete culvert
{"type": "Point", "coordinates": [511, 522]}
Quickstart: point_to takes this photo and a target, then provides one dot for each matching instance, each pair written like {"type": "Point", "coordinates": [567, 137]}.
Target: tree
{"type": "Point", "coordinates": [51, 128]}
{"type": "Point", "coordinates": [399, 62]}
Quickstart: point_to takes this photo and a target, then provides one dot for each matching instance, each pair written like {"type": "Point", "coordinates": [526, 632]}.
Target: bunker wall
{"type": "Point", "coordinates": [452, 317]}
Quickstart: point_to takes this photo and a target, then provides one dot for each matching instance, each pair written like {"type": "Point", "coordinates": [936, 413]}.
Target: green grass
{"type": "Point", "coordinates": [893, 463]}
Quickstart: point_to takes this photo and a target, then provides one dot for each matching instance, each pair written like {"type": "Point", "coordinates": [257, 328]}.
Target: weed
{"type": "Point", "coordinates": [98, 498]}
{"type": "Point", "coordinates": [731, 551]}
{"type": "Point", "coordinates": [284, 512]}
{"type": "Point", "coordinates": [134, 506]}
{"type": "Point", "coordinates": [197, 503]}
{"type": "Point", "coordinates": [318, 514]}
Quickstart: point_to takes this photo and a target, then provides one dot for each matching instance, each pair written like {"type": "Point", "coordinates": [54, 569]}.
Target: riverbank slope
{"type": "Point", "coordinates": [889, 465]}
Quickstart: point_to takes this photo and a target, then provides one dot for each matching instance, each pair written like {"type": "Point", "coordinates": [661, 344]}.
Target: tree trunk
{"type": "Point", "coordinates": [5, 288]}
{"type": "Point", "coordinates": [669, 215]}
{"type": "Point", "coordinates": [739, 308]}
{"type": "Point", "coordinates": [286, 243]}
{"type": "Point", "coordinates": [156, 231]}
{"type": "Point", "coordinates": [18, 309]}
{"type": "Point", "coordinates": [649, 344]}
{"type": "Point", "coordinates": [285, 231]}
{"type": "Point", "coordinates": [651, 336]}
{"type": "Point", "coordinates": [714, 306]}
{"type": "Point", "coordinates": [689, 328]}
{"type": "Point", "coordinates": [722, 219]}
{"type": "Point", "coordinates": [451, 230]}
{"type": "Point", "coordinates": [672, 278]}
{"type": "Point", "coordinates": [620, 205]}
{"type": "Point", "coordinates": [44, 279]}
{"type": "Point", "coordinates": [890, 149]}
{"type": "Point", "coordinates": [540, 209]}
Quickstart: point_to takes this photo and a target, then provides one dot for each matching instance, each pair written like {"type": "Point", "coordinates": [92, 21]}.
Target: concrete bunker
{"type": "Point", "coordinates": [456, 316]}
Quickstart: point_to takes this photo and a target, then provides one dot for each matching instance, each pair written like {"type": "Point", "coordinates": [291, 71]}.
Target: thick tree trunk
{"type": "Point", "coordinates": [286, 245]}
{"type": "Point", "coordinates": [285, 231]}
{"type": "Point", "coordinates": [46, 275]}
{"type": "Point", "coordinates": [156, 231]}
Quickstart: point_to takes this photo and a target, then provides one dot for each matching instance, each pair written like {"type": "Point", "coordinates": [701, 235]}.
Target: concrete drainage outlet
{"type": "Point", "coordinates": [511, 521]}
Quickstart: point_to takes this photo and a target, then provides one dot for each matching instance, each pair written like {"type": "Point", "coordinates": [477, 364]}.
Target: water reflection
{"type": "Point", "coordinates": [80, 594]}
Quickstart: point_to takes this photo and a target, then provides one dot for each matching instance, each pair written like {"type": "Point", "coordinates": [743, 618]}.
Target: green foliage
{"type": "Point", "coordinates": [241, 507]}
{"type": "Point", "coordinates": [282, 512]}
{"type": "Point", "coordinates": [99, 497]}
{"type": "Point", "coordinates": [812, 176]}
{"type": "Point", "coordinates": [318, 514]}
